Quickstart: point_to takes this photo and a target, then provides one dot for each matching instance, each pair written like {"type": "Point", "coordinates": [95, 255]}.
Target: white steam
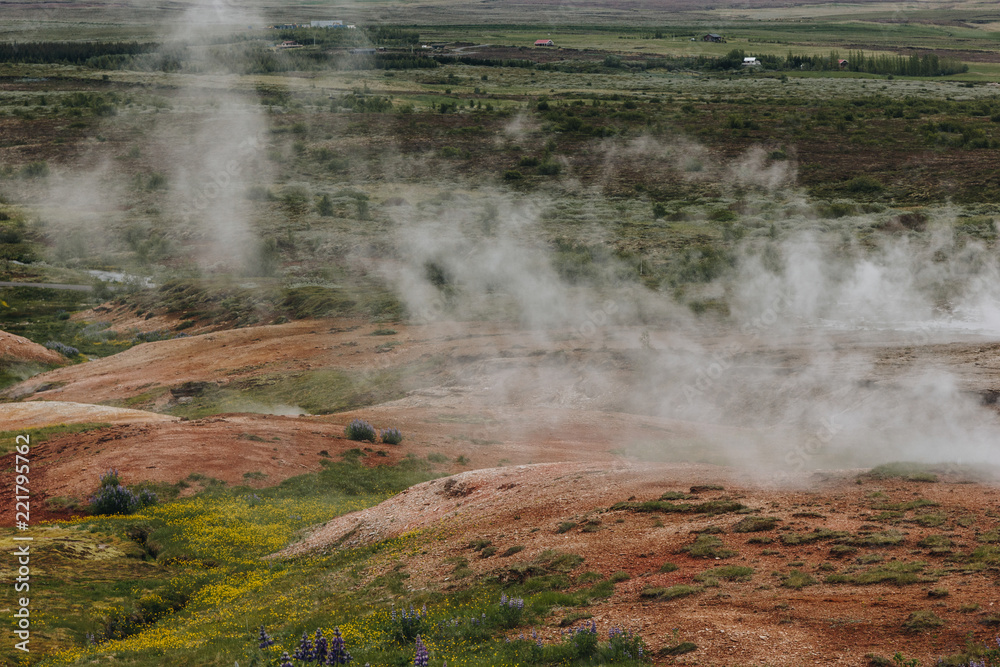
{"type": "Point", "coordinates": [819, 363]}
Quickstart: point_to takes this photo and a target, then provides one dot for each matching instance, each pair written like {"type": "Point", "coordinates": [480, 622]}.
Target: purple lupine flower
{"type": "Point", "coordinates": [503, 599]}
{"type": "Point", "coordinates": [338, 650]}
{"type": "Point", "coordinates": [394, 612]}
{"type": "Point", "coordinates": [422, 658]}
{"type": "Point", "coordinates": [286, 660]}
{"type": "Point", "coordinates": [305, 650]}
{"type": "Point", "coordinates": [320, 652]}
{"type": "Point", "coordinates": [264, 639]}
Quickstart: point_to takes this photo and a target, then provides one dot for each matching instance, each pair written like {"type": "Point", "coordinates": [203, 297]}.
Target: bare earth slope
{"type": "Point", "coordinates": [566, 507]}
{"type": "Point", "coordinates": [19, 349]}
{"type": "Point", "coordinates": [38, 414]}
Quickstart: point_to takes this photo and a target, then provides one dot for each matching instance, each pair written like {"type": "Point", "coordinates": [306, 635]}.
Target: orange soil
{"type": "Point", "coordinates": [19, 349]}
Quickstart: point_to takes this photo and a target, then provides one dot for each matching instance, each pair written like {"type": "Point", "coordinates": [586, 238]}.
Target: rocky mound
{"type": "Point", "coordinates": [17, 349]}
{"type": "Point", "coordinates": [38, 414]}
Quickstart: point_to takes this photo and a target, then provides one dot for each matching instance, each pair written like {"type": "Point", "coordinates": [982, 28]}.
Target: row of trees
{"type": "Point", "coordinates": [76, 53]}
{"type": "Point", "coordinates": [929, 64]}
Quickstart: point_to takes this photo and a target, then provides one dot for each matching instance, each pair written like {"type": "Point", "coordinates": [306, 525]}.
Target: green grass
{"type": "Point", "coordinates": [818, 535]}
{"type": "Point", "coordinates": [708, 546]}
{"type": "Point", "coordinates": [671, 593]}
{"type": "Point", "coordinates": [797, 580]}
{"type": "Point", "coordinates": [907, 505]}
{"type": "Point", "coordinates": [754, 524]}
{"type": "Point", "coordinates": [914, 472]}
{"type": "Point", "coordinates": [321, 391]}
{"type": "Point", "coordinates": [708, 507]}
{"type": "Point", "coordinates": [37, 436]}
{"type": "Point", "coordinates": [922, 621]}
{"type": "Point", "coordinates": [895, 573]}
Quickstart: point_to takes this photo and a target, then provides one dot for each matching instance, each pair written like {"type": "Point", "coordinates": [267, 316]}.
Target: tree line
{"type": "Point", "coordinates": [76, 53]}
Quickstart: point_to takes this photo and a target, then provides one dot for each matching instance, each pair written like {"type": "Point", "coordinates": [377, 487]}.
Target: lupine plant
{"type": "Point", "coordinates": [409, 625]}
{"type": "Point", "coordinates": [625, 645]}
{"type": "Point", "coordinates": [360, 430]}
{"type": "Point", "coordinates": [304, 652]}
{"type": "Point", "coordinates": [391, 436]}
{"type": "Point", "coordinates": [264, 639]}
{"type": "Point", "coordinates": [583, 639]}
{"type": "Point", "coordinates": [113, 498]}
{"type": "Point", "coordinates": [318, 649]}
{"type": "Point", "coordinates": [338, 650]}
{"type": "Point", "coordinates": [422, 657]}
{"type": "Point", "coordinates": [510, 612]}
{"type": "Point", "coordinates": [62, 348]}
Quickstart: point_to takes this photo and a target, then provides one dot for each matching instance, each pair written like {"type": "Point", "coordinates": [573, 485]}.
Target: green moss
{"type": "Point", "coordinates": [708, 546]}
{"type": "Point", "coordinates": [818, 535]}
{"type": "Point", "coordinates": [895, 573]}
{"type": "Point", "coordinates": [922, 621]}
{"type": "Point", "coordinates": [709, 507]}
{"type": "Point", "coordinates": [671, 593]}
{"type": "Point", "coordinates": [37, 436]}
{"type": "Point", "coordinates": [753, 524]}
{"type": "Point", "coordinates": [797, 580]}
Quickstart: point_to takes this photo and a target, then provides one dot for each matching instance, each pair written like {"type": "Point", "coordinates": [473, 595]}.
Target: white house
{"type": "Point", "coordinates": [751, 61]}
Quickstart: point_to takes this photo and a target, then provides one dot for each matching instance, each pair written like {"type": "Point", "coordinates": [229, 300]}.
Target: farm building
{"type": "Point", "coordinates": [751, 61]}
{"type": "Point", "coordinates": [842, 64]}
{"type": "Point", "coordinates": [326, 24]}
{"type": "Point", "coordinates": [712, 37]}
{"type": "Point", "coordinates": [544, 42]}
{"type": "Point", "coordinates": [289, 44]}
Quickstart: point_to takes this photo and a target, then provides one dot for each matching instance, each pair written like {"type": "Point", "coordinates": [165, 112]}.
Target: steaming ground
{"type": "Point", "coordinates": [776, 406]}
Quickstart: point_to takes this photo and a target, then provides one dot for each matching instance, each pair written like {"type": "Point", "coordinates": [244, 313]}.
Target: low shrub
{"type": "Point", "coordinates": [920, 621]}
{"type": "Point", "coordinates": [63, 349]}
{"type": "Point", "coordinates": [360, 430]}
{"type": "Point", "coordinates": [113, 498]}
{"type": "Point", "coordinates": [708, 546]}
{"type": "Point", "coordinates": [391, 436]}
{"type": "Point", "coordinates": [755, 524]}
{"type": "Point", "coordinates": [672, 593]}
{"type": "Point", "coordinates": [797, 580]}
